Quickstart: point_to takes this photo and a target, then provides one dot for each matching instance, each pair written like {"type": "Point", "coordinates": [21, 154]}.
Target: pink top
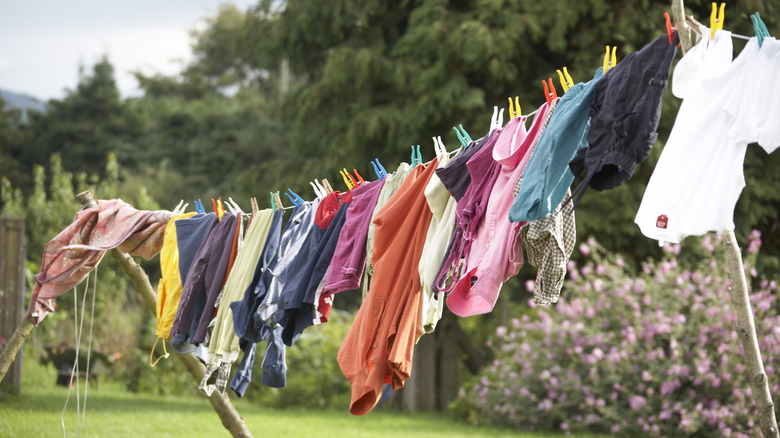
{"type": "Point", "coordinates": [495, 253]}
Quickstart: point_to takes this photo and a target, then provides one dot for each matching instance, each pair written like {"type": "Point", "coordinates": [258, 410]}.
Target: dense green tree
{"type": "Point", "coordinates": [84, 127]}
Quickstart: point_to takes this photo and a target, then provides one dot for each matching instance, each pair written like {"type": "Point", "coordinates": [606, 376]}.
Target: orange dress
{"type": "Point", "coordinates": [379, 346]}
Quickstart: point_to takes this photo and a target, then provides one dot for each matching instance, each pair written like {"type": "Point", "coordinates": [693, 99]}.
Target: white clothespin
{"type": "Point", "coordinates": [319, 191]}
{"type": "Point", "coordinates": [179, 208]}
{"type": "Point", "coordinates": [235, 207]}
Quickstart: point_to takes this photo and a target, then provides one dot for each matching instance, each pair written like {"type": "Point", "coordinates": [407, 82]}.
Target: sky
{"type": "Point", "coordinates": [43, 42]}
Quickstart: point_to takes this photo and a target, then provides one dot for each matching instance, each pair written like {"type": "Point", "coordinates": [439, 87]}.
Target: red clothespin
{"type": "Point", "coordinates": [359, 178]}
{"type": "Point", "coordinates": [669, 32]}
{"type": "Point", "coordinates": [549, 92]}
{"type": "Point", "coordinates": [214, 204]}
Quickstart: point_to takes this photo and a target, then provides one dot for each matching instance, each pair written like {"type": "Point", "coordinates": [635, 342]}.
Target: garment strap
{"type": "Point", "coordinates": [151, 354]}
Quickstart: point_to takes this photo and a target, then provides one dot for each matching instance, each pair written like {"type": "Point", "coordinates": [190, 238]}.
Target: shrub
{"type": "Point", "coordinates": [651, 353]}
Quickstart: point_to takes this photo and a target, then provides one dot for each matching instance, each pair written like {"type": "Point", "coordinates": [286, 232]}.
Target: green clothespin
{"type": "Point", "coordinates": [273, 201]}
{"type": "Point", "coordinates": [759, 27]}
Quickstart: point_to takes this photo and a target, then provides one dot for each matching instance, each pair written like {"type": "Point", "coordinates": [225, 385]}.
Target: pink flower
{"type": "Point", "coordinates": [545, 405]}
{"type": "Point", "coordinates": [646, 376]}
{"type": "Point", "coordinates": [636, 402]}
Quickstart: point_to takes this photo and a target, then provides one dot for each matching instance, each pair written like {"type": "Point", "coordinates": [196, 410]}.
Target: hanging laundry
{"type": "Point", "coordinates": [70, 256]}
{"type": "Point", "coordinates": [169, 288]}
{"type": "Point", "coordinates": [442, 206]}
{"type": "Point", "coordinates": [203, 283]}
{"type": "Point", "coordinates": [483, 170]}
{"type": "Point", "coordinates": [349, 258]}
{"type": "Point", "coordinates": [496, 252]}
{"type": "Point", "coordinates": [392, 183]}
{"type": "Point", "coordinates": [625, 112]}
{"type": "Point", "coordinates": [698, 179]}
{"type": "Point", "coordinates": [223, 345]}
{"type": "Point", "coordinates": [548, 244]}
{"type": "Point", "coordinates": [190, 234]}
{"type": "Point", "coordinates": [379, 346]}
{"type": "Point", "coordinates": [547, 176]}
{"type": "Point", "coordinates": [297, 305]}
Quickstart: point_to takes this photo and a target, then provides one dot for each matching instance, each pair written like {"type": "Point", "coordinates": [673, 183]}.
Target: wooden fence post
{"type": "Point", "coordinates": [12, 254]}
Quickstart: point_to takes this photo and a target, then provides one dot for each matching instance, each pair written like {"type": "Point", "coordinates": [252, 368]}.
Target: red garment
{"type": "Point", "coordinates": [329, 206]}
{"type": "Point", "coordinates": [79, 248]}
{"type": "Point", "coordinates": [379, 345]}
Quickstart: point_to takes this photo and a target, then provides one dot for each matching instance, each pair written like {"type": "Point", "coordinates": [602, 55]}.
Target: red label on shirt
{"type": "Point", "coordinates": [661, 221]}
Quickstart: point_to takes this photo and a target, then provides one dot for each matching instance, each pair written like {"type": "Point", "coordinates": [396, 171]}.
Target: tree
{"type": "Point", "coordinates": [84, 127]}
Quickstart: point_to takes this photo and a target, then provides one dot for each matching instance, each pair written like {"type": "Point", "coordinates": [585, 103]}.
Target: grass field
{"type": "Point", "coordinates": [113, 412]}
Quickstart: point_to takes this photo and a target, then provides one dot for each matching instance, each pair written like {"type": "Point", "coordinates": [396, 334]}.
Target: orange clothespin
{"type": "Point", "coordinates": [566, 80]}
{"type": "Point", "coordinates": [360, 179]}
{"type": "Point", "coordinates": [609, 62]}
{"type": "Point", "coordinates": [669, 31]}
{"type": "Point", "coordinates": [214, 204]}
{"type": "Point", "coordinates": [549, 92]}
{"type": "Point", "coordinates": [514, 111]}
{"type": "Point", "coordinates": [717, 18]}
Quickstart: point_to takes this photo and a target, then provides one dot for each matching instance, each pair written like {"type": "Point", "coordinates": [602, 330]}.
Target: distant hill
{"type": "Point", "coordinates": [22, 102]}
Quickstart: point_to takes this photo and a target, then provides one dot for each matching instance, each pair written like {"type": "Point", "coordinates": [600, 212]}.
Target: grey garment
{"type": "Point", "coordinates": [243, 376]}
{"type": "Point", "coordinates": [293, 239]}
{"type": "Point", "coordinates": [275, 361]}
{"type": "Point", "coordinates": [549, 243]}
{"type": "Point", "coordinates": [190, 234]}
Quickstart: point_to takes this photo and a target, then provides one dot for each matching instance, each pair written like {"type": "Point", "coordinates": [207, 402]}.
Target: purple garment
{"type": "Point", "coordinates": [349, 258]}
{"type": "Point", "coordinates": [455, 175]}
{"type": "Point", "coordinates": [204, 281]}
{"type": "Point", "coordinates": [470, 211]}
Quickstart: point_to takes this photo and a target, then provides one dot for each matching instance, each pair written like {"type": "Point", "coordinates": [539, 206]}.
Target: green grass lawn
{"type": "Point", "coordinates": [113, 412]}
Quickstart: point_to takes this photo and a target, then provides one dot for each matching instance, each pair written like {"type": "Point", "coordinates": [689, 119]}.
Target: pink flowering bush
{"type": "Point", "coordinates": [652, 353]}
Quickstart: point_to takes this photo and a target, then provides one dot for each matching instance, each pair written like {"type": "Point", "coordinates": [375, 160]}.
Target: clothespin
{"type": "Point", "coordinates": [253, 203]}
{"type": "Point", "coordinates": [293, 197]}
{"type": "Point", "coordinates": [377, 172]}
{"type": "Point", "coordinates": [717, 18]}
{"type": "Point", "coordinates": [278, 200]}
{"type": "Point", "coordinates": [497, 120]}
{"type": "Point", "coordinates": [760, 28]}
{"type": "Point", "coordinates": [178, 206]}
{"type": "Point", "coordinates": [327, 186]}
{"type": "Point", "coordinates": [235, 206]}
{"type": "Point", "coordinates": [416, 156]}
{"type": "Point", "coordinates": [214, 205]}
{"type": "Point", "coordinates": [360, 179]}
{"type": "Point", "coordinates": [669, 31]}
{"type": "Point", "coordinates": [514, 111]}
{"type": "Point", "coordinates": [549, 92]}
{"type": "Point", "coordinates": [348, 179]}
{"type": "Point", "coordinates": [273, 201]}
{"type": "Point", "coordinates": [199, 206]}
{"type": "Point", "coordinates": [609, 62]}
{"type": "Point", "coordinates": [220, 208]}
{"type": "Point", "coordinates": [566, 80]}
{"type": "Point", "coordinates": [465, 134]}
{"type": "Point", "coordinates": [319, 191]}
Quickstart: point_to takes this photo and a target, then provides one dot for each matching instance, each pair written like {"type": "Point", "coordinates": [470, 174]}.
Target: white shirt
{"type": "Point", "coordinates": [698, 178]}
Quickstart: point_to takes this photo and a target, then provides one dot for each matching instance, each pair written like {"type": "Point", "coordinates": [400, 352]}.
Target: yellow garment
{"type": "Point", "coordinates": [169, 287]}
{"type": "Point", "coordinates": [223, 345]}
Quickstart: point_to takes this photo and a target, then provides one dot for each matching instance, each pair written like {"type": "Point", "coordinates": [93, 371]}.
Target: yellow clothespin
{"type": "Point", "coordinates": [514, 111]}
{"type": "Point", "coordinates": [716, 19]}
{"type": "Point", "coordinates": [220, 208]}
{"type": "Point", "coordinates": [566, 80]}
{"type": "Point", "coordinates": [609, 62]}
{"type": "Point", "coordinates": [345, 176]}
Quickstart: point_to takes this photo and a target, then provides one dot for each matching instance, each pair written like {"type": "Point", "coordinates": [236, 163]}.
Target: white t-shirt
{"type": "Point", "coordinates": [698, 178]}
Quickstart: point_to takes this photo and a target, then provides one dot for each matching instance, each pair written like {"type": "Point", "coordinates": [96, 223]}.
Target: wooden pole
{"type": "Point", "coordinates": [12, 307]}
{"type": "Point", "coordinates": [231, 420]}
{"type": "Point", "coordinates": [746, 329]}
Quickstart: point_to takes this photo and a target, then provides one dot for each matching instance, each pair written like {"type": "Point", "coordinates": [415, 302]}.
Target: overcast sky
{"type": "Point", "coordinates": [43, 42]}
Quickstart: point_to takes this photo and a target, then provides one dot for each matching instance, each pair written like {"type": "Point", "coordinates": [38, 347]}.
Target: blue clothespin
{"type": "Point", "coordinates": [199, 206]}
{"type": "Point", "coordinates": [379, 170]}
{"type": "Point", "coordinates": [379, 165]}
{"type": "Point", "coordinates": [294, 198]}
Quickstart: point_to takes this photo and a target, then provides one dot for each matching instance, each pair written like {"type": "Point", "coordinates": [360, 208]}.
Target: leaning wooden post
{"type": "Point", "coordinates": [746, 329]}
{"type": "Point", "coordinates": [220, 402]}
{"type": "Point", "coordinates": [13, 345]}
